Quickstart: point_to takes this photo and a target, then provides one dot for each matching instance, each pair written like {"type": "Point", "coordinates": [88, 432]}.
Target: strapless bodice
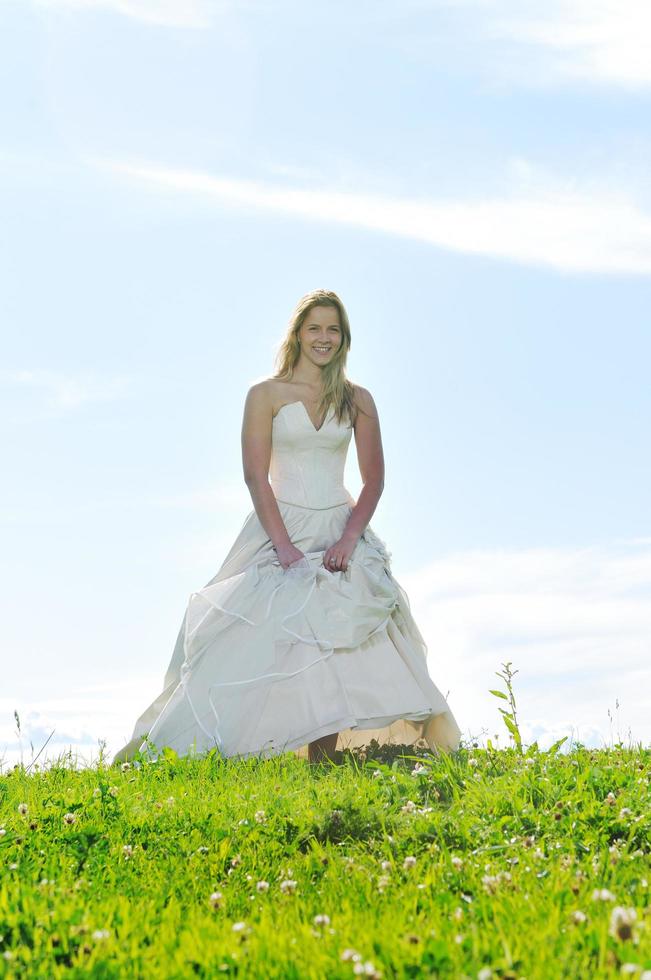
{"type": "Point", "coordinates": [307, 464]}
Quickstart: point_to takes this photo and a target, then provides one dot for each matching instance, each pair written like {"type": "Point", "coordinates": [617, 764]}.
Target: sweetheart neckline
{"type": "Point", "coordinates": [307, 414]}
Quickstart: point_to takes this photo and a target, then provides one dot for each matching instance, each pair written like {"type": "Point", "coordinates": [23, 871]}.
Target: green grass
{"type": "Point", "coordinates": [486, 863]}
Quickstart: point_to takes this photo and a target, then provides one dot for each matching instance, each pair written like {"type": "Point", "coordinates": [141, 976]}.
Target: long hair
{"type": "Point", "coordinates": [338, 391]}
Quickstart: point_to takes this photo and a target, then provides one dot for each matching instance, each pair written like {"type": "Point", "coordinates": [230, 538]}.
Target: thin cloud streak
{"type": "Point", "coordinates": [537, 44]}
{"type": "Point", "coordinates": [593, 40]}
{"type": "Point", "coordinates": [194, 14]}
{"type": "Point", "coordinates": [546, 222]}
{"type": "Point", "coordinates": [69, 392]}
{"type": "Point", "coordinates": [223, 495]}
{"type": "Point", "coordinates": [220, 498]}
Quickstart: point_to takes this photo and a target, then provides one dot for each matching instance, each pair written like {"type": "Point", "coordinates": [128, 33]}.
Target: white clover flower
{"type": "Point", "coordinates": [472, 761]}
{"type": "Point", "coordinates": [125, 766]}
{"type": "Point", "coordinates": [260, 816]}
{"type": "Point", "coordinates": [113, 790]}
{"type": "Point", "coordinates": [386, 865]}
{"type": "Point", "coordinates": [127, 850]}
{"type": "Point", "coordinates": [97, 792]}
{"type": "Point", "coordinates": [216, 899]}
{"type": "Point", "coordinates": [235, 860]}
{"type": "Point", "coordinates": [625, 812]}
{"type": "Point", "coordinates": [239, 926]}
{"type": "Point", "coordinates": [382, 882]}
{"type": "Point", "coordinates": [456, 861]}
{"type": "Point", "coordinates": [621, 922]}
{"type": "Point", "coordinates": [530, 761]}
{"type": "Point", "coordinates": [377, 773]}
{"type": "Point", "coordinates": [170, 800]}
{"type": "Point", "coordinates": [262, 886]}
{"type": "Point", "coordinates": [418, 769]}
{"type": "Point", "coordinates": [321, 920]}
{"type": "Point", "coordinates": [409, 807]}
{"type": "Point", "coordinates": [350, 954]}
{"type": "Point", "coordinates": [288, 885]}
{"type": "Point", "coordinates": [366, 969]}
{"type": "Point", "coordinates": [101, 933]}
{"type": "Point", "coordinates": [409, 861]}
{"type": "Point", "coordinates": [485, 973]}
{"type": "Point", "coordinates": [602, 895]}
{"type": "Point", "coordinates": [69, 818]}
{"type": "Point", "coordinates": [23, 809]}
{"type": "Point", "coordinates": [615, 853]}
{"type": "Point", "coordinates": [578, 917]}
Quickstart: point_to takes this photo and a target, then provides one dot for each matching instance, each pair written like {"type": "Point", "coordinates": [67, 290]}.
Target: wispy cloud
{"type": "Point", "coordinates": [68, 392]}
{"type": "Point", "coordinates": [603, 41]}
{"type": "Point", "coordinates": [78, 722]}
{"type": "Point", "coordinates": [165, 13]}
{"type": "Point", "coordinates": [534, 43]}
{"type": "Point", "coordinates": [575, 622]}
{"type": "Point", "coordinates": [588, 227]}
{"type": "Point", "coordinates": [222, 495]}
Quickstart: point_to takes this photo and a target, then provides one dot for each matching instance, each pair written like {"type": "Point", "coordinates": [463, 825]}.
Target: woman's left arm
{"type": "Point", "coordinates": [368, 441]}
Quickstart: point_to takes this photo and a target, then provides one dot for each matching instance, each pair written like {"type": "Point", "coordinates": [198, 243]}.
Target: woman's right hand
{"type": "Point", "coordinates": [288, 554]}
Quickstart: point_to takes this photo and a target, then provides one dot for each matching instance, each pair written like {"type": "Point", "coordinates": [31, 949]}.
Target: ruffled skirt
{"type": "Point", "coordinates": [268, 659]}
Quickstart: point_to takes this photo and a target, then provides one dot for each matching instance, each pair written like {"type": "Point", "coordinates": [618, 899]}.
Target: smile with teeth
{"type": "Point", "coordinates": [321, 350]}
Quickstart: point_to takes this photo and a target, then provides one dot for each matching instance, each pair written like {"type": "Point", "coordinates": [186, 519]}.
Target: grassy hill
{"type": "Point", "coordinates": [491, 863]}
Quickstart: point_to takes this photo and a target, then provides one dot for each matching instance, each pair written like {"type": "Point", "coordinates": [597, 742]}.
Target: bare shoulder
{"type": "Point", "coordinates": [364, 401]}
{"type": "Point", "coordinates": [262, 391]}
{"type": "Point", "coordinates": [260, 397]}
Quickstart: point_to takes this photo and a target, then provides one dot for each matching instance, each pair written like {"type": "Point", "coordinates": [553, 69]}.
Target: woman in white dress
{"type": "Point", "coordinates": [303, 639]}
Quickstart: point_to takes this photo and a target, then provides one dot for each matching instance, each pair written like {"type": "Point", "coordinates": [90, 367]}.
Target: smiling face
{"type": "Point", "coordinates": [320, 334]}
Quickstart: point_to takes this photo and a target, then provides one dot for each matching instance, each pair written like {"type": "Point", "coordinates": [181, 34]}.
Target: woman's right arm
{"type": "Point", "coordinates": [256, 456]}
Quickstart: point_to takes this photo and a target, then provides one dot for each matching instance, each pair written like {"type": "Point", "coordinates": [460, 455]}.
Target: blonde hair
{"type": "Point", "coordinates": [338, 391]}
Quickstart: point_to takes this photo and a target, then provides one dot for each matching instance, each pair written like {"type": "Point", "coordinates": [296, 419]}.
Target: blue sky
{"type": "Point", "coordinates": [472, 179]}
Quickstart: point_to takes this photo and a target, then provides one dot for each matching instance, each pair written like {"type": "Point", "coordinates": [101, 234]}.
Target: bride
{"type": "Point", "coordinates": [303, 638]}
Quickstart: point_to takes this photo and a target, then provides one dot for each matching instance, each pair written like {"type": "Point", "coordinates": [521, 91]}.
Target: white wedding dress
{"type": "Point", "coordinates": [269, 659]}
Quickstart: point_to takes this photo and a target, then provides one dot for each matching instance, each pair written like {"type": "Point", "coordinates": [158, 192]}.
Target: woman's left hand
{"type": "Point", "coordinates": [336, 558]}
